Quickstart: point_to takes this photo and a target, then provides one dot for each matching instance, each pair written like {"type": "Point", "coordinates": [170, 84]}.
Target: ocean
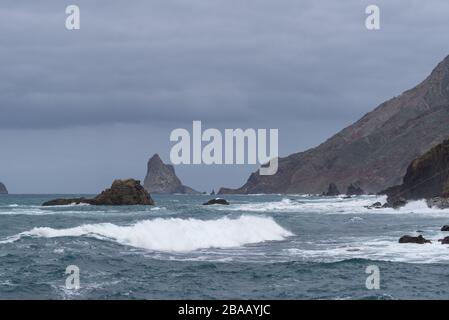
{"type": "Point", "coordinates": [259, 247]}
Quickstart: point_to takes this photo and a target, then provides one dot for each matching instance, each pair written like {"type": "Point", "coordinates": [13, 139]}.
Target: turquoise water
{"type": "Point", "coordinates": [259, 247]}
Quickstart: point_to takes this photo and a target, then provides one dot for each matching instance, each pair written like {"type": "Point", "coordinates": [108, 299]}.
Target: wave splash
{"type": "Point", "coordinates": [174, 234]}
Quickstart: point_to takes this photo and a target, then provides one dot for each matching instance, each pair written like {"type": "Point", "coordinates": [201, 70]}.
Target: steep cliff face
{"type": "Point", "coordinates": [427, 176]}
{"type": "Point", "coordinates": [161, 178]}
{"type": "Point", "coordinates": [3, 189]}
{"type": "Point", "coordinates": [374, 152]}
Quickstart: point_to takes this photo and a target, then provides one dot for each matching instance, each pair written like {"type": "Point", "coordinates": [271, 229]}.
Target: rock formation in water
{"type": "Point", "coordinates": [418, 240]}
{"type": "Point", "coordinates": [332, 190]}
{"type": "Point", "coordinates": [354, 190]}
{"type": "Point", "coordinates": [427, 177]}
{"type": "Point", "coordinates": [216, 201]}
{"type": "Point", "coordinates": [3, 189]}
{"type": "Point", "coordinates": [161, 179]}
{"type": "Point", "coordinates": [121, 193]}
{"type": "Point", "coordinates": [375, 151]}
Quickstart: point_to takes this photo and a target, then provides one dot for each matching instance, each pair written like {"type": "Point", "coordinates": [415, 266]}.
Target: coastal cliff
{"type": "Point", "coordinates": [374, 152]}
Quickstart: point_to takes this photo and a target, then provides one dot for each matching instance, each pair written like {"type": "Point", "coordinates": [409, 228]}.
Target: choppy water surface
{"type": "Point", "coordinates": [259, 247]}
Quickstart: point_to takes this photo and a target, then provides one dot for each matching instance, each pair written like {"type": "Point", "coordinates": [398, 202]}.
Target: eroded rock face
{"type": "Point", "coordinates": [375, 151]}
{"type": "Point", "coordinates": [161, 178]}
{"type": "Point", "coordinates": [121, 193]}
{"type": "Point", "coordinates": [427, 177]}
{"type": "Point", "coordinates": [410, 239]}
{"type": "Point", "coordinates": [3, 189]}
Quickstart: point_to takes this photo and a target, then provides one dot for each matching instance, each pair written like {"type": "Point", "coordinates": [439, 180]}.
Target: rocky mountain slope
{"type": "Point", "coordinates": [3, 189]}
{"type": "Point", "coordinates": [374, 152]}
{"type": "Point", "coordinates": [161, 178]}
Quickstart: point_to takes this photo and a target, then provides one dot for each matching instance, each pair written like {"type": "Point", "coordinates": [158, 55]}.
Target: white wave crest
{"type": "Point", "coordinates": [174, 234]}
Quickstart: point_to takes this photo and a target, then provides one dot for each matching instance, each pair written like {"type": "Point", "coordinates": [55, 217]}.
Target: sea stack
{"type": "Point", "coordinates": [161, 179]}
{"type": "Point", "coordinates": [121, 193]}
{"type": "Point", "coordinates": [3, 189]}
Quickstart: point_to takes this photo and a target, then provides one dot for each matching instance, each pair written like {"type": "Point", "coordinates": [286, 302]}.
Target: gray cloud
{"type": "Point", "coordinates": [305, 67]}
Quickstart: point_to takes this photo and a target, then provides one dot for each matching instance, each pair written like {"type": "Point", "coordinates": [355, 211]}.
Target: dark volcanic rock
{"type": "Point", "coordinates": [438, 202]}
{"type": "Point", "coordinates": [3, 189]}
{"type": "Point", "coordinates": [445, 228]}
{"type": "Point", "coordinates": [216, 201]}
{"type": "Point", "coordinates": [161, 178]}
{"type": "Point", "coordinates": [332, 190]}
{"type": "Point", "coordinates": [427, 177]}
{"type": "Point", "coordinates": [354, 190]}
{"type": "Point", "coordinates": [444, 241]}
{"type": "Point", "coordinates": [375, 151]}
{"type": "Point", "coordinates": [376, 205]}
{"type": "Point", "coordinates": [409, 239]}
{"type": "Point", "coordinates": [121, 193]}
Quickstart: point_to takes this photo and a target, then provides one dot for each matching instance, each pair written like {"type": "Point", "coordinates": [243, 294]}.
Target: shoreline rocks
{"type": "Point", "coordinates": [121, 193]}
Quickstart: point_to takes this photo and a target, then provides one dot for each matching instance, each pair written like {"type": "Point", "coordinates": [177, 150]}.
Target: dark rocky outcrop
{"type": "Point", "coordinates": [376, 205]}
{"type": "Point", "coordinates": [427, 177]}
{"type": "Point", "coordinates": [3, 189]}
{"type": "Point", "coordinates": [122, 192]}
{"type": "Point", "coordinates": [375, 151]}
{"type": "Point", "coordinates": [354, 190]}
{"type": "Point", "coordinates": [445, 228]}
{"type": "Point", "coordinates": [410, 239]}
{"type": "Point", "coordinates": [332, 190]}
{"type": "Point", "coordinates": [161, 179]}
{"type": "Point", "coordinates": [216, 201]}
{"type": "Point", "coordinates": [444, 241]}
{"type": "Point", "coordinates": [438, 202]}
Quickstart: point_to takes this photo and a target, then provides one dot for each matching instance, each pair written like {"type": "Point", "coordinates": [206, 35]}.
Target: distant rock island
{"type": "Point", "coordinates": [3, 189]}
{"type": "Point", "coordinates": [427, 177]}
{"type": "Point", "coordinates": [121, 193]}
{"type": "Point", "coordinates": [161, 179]}
{"type": "Point", "coordinates": [374, 152]}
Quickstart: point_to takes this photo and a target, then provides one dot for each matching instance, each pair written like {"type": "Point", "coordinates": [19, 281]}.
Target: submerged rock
{"type": "Point", "coordinates": [332, 191]}
{"type": "Point", "coordinates": [410, 239]}
{"type": "Point", "coordinates": [216, 201]}
{"type": "Point", "coordinates": [121, 193]}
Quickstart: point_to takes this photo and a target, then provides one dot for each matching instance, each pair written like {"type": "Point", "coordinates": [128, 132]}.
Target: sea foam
{"type": "Point", "coordinates": [174, 234]}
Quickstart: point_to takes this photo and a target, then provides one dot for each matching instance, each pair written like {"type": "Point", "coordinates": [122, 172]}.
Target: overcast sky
{"type": "Point", "coordinates": [80, 108]}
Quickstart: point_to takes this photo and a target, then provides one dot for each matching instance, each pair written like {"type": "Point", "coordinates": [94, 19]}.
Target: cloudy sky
{"type": "Point", "coordinates": [80, 108]}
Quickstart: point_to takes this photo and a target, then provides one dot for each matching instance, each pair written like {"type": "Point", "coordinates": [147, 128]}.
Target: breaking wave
{"type": "Point", "coordinates": [174, 234]}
